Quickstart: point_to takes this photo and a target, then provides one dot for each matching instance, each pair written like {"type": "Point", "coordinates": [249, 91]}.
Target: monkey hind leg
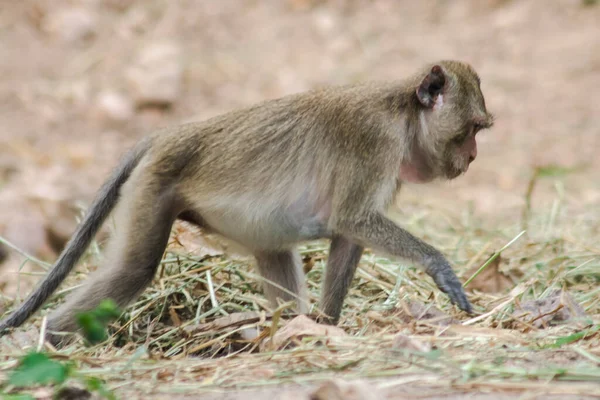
{"type": "Point", "coordinates": [284, 278]}
{"type": "Point", "coordinates": [343, 259]}
{"type": "Point", "coordinates": [143, 220]}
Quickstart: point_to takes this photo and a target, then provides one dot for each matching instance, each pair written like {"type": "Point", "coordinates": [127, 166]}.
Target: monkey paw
{"type": "Point", "coordinates": [447, 281]}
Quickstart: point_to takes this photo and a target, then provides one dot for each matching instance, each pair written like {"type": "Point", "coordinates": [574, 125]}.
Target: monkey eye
{"type": "Point", "coordinates": [477, 126]}
{"type": "Point", "coordinates": [460, 138]}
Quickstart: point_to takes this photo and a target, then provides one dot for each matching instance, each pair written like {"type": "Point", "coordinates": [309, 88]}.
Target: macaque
{"type": "Point", "coordinates": [321, 164]}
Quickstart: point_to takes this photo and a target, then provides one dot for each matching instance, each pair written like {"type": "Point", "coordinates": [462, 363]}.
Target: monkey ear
{"type": "Point", "coordinates": [431, 86]}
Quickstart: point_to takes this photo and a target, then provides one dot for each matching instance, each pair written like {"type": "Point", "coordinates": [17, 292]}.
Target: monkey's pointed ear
{"type": "Point", "coordinates": [431, 86]}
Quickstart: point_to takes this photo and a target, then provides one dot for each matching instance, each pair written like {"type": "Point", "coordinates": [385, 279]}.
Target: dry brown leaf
{"type": "Point", "coordinates": [491, 279]}
{"type": "Point", "coordinates": [558, 307]}
{"type": "Point", "coordinates": [403, 342]}
{"type": "Point", "coordinates": [174, 316]}
{"type": "Point", "coordinates": [194, 242]}
{"type": "Point", "coordinates": [296, 329]}
{"type": "Point", "coordinates": [415, 310]}
{"type": "Point", "coordinates": [342, 390]}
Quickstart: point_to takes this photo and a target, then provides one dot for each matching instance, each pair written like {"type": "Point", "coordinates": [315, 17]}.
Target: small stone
{"type": "Point", "coordinates": [71, 24]}
{"type": "Point", "coordinates": [114, 106]}
{"type": "Point", "coordinates": [155, 78]}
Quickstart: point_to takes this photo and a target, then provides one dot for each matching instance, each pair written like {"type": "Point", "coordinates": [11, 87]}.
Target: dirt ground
{"type": "Point", "coordinates": [71, 103]}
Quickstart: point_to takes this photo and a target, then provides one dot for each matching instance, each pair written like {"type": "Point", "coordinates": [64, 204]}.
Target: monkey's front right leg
{"type": "Point", "coordinates": [344, 256]}
{"type": "Point", "coordinates": [379, 232]}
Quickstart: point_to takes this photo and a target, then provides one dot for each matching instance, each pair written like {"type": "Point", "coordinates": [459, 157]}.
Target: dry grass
{"type": "Point", "coordinates": [493, 350]}
{"type": "Point", "coordinates": [538, 61]}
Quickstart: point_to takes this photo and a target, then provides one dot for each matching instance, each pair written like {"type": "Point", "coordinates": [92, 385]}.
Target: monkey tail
{"type": "Point", "coordinates": [105, 201]}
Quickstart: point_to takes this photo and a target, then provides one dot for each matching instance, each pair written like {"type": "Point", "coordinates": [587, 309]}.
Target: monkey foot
{"type": "Point", "coordinates": [447, 282]}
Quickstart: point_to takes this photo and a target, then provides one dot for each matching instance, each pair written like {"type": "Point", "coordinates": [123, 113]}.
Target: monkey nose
{"type": "Point", "coordinates": [472, 155]}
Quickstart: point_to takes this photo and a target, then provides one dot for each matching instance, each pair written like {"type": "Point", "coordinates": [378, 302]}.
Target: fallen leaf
{"type": "Point", "coordinates": [174, 317]}
{"type": "Point", "coordinates": [558, 307]}
{"type": "Point", "coordinates": [491, 279]}
{"type": "Point", "coordinates": [415, 310]}
{"type": "Point", "coordinates": [403, 342]}
{"type": "Point", "coordinates": [298, 328]}
{"type": "Point", "coordinates": [194, 242]}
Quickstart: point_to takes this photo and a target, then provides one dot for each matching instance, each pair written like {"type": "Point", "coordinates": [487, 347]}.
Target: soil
{"type": "Point", "coordinates": [539, 62]}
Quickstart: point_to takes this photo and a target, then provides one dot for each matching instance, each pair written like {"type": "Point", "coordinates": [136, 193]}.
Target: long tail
{"type": "Point", "coordinates": [105, 201]}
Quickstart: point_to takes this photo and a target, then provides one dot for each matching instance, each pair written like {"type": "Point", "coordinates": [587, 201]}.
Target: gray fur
{"type": "Point", "coordinates": [104, 202]}
{"type": "Point", "coordinates": [321, 164]}
{"type": "Point", "coordinates": [284, 268]}
{"type": "Point", "coordinates": [344, 256]}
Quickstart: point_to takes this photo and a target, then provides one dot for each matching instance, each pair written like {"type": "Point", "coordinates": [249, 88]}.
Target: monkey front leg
{"type": "Point", "coordinates": [379, 232]}
{"type": "Point", "coordinates": [343, 259]}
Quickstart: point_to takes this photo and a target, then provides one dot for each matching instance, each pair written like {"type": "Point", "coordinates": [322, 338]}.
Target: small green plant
{"type": "Point", "coordinates": [93, 323]}
{"type": "Point", "coordinates": [17, 397]}
{"type": "Point", "coordinates": [37, 368]}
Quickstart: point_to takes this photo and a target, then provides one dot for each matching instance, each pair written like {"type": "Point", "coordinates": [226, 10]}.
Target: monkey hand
{"type": "Point", "coordinates": [447, 281]}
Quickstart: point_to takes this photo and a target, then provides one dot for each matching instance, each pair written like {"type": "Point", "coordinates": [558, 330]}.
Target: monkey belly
{"type": "Point", "coordinates": [264, 231]}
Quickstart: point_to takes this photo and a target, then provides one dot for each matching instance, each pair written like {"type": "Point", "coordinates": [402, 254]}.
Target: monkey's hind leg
{"type": "Point", "coordinates": [341, 266]}
{"type": "Point", "coordinates": [143, 218]}
{"type": "Point", "coordinates": [284, 269]}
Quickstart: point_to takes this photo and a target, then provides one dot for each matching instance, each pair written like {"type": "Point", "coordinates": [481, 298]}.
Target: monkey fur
{"type": "Point", "coordinates": [321, 164]}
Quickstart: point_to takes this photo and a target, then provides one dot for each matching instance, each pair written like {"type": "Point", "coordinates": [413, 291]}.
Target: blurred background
{"type": "Point", "coordinates": [81, 80]}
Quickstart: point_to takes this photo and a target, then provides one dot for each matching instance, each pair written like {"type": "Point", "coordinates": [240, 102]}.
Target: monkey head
{"type": "Point", "coordinates": [451, 111]}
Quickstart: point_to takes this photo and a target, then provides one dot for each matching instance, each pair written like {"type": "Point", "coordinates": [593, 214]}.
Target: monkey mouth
{"type": "Point", "coordinates": [454, 172]}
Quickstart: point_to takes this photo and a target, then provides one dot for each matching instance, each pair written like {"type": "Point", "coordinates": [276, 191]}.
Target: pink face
{"type": "Point", "coordinates": [469, 148]}
{"type": "Point", "coordinates": [465, 152]}
{"type": "Point", "coordinates": [449, 153]}
{"type": "Point", "coordinates": [417, 170]}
